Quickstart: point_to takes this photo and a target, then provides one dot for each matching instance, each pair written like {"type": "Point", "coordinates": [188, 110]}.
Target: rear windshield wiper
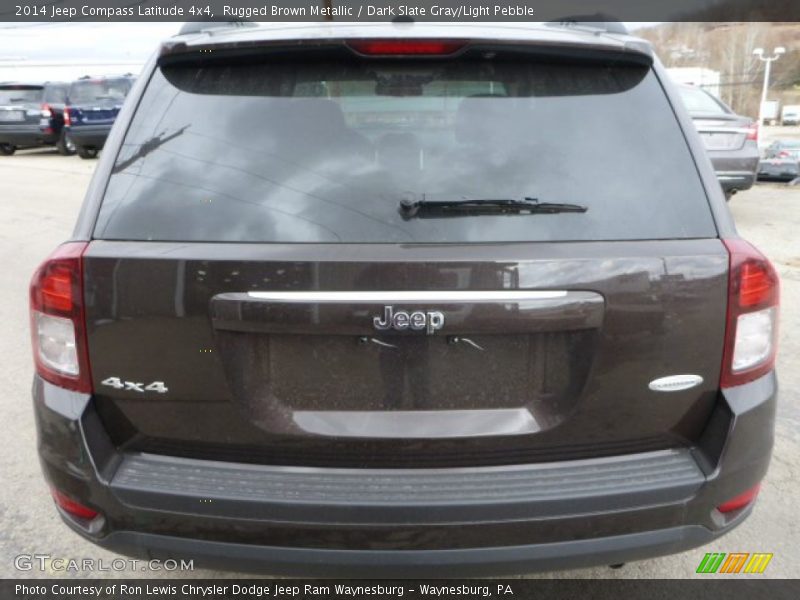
{"type": "Point", "coordinates": [411, 208]}
{"type": "Point", "coordinates": [147, 147]}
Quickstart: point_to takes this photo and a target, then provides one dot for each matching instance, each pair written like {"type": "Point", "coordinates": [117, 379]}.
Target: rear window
{"type": "Point", "coordinates": [698, 101]}
{"type": "Point", "coordinates": [10, 95]}
{"type": "Point", "coordinates": [55, 94]}
{"type": "Point", "coordinates": [98, 90]}
{"type": "Point", "coordinates": [321, 151]}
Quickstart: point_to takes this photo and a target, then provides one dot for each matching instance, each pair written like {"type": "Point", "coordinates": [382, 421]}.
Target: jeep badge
{"type": "Point", "coordinates": [430, 321]}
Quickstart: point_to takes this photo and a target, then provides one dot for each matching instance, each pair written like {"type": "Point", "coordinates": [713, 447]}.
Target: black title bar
{"type": "Point", "coordinates": [387, 10]}
{"type": "Point", "coordinates": [744, 588]}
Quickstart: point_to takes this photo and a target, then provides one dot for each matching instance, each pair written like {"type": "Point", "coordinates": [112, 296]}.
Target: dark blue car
{"type": "Point", "coordinates": [94, 105]}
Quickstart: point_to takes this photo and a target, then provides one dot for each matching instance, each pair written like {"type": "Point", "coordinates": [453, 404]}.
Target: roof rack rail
{"type": "Point", "coordinates": [201, 26]}
{"type": "Point", "coordinates": [598, 21]}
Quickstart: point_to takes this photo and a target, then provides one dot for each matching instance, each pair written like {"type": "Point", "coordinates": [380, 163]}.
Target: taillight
{"type": "Point", "coordinates": [406, 47]}
{"type": "Point", "coordinates": [783, 154]}
{"type": "Point", "coordinates": [751, 332]}
{"type": "Point", "coordinates": [67, 118]}
{"type": "Point", "coordinates": [740, 501]}
{"type": "Point", "coordinates": [47, 112]}
{"type": "Point", "coordinates": [752, 132]}
{"type": "Point", "coordinates": [73, 507]}
{"type": "Point", "coordinates": [58, 326]}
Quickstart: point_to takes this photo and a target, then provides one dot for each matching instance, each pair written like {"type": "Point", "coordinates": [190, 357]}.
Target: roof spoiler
{"type": "Point", "coordinates": [202, 26]}
{"type": "Point", "coordinates": [597, 21]}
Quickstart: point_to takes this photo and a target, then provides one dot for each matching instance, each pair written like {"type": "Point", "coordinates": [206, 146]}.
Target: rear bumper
{"type": "Point", "coordinates": [26, 135]}
{"type": "Point", "coordinates": [407, 522]}
{"type": "Point", "coordinates": [784, 171]}
{"type": "Point", "coordinates": [732, 180]}
{"type": "Point", "coordinates": [92, 136]}
{"type": "Point", "coordinates": [462, 562]}
{"type": "Point", "coordinates": [736, 169]}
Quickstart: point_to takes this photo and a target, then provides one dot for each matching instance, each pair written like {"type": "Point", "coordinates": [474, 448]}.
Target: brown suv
{"type": "Point", "coordinates": [404, 300]}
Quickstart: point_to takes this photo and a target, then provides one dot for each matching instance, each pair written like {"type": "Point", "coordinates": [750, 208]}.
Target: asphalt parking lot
{"type": "Point", "coordinates": [40, 194]}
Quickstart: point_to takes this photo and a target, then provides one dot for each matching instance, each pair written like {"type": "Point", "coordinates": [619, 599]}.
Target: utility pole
{"type": "Point", "coordinates": [776, 54]}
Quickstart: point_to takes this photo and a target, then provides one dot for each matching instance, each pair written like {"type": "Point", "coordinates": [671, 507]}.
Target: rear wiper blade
{"type": "Point", "coordinates": [411, 208]}
{"type": "Point", "coordinates": [147, 147]}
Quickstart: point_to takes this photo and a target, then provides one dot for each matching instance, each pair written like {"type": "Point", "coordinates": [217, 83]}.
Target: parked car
{"type": "Point", "coordinates": [731, 140]}
{"type": "Point", "coordinates": [790, 115]}
{"type": "Point", "coordinates": [781, 161]}
{"type": "Point", "coordinates": [339, 303]}
{"type": "Point", "coordinates": [94, 105]}
{"type": "Point", "coordinates": [778, 169]}
{"type": "Point", "coordinates": [783, 149]}
{"type": "Point", "coordinates": [32, 115]}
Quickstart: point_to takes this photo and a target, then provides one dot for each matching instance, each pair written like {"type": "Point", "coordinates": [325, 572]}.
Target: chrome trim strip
{"type": "Point", "coordinates": [417, 424]}
{"type": "Point", "coordinates": [675, 383]}
{"type": "Point", "coordinates": [408, 296]}
{"type": "Point", "coordinates": [737, 130]}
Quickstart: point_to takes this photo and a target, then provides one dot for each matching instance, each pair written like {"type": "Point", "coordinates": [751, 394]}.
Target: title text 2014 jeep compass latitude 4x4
{"type": "Point", "coordinates": [404, 299]}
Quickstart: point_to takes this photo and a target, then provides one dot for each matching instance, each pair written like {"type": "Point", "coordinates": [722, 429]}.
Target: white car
{"type": "Point", "coordinates": [790, 115]}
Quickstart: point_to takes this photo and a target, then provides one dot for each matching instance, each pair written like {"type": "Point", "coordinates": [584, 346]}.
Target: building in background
{"type": "Point", "coordinates": [20, 70]}
{"type": "Point", "coordinates": [708, 79]}
{"type": "Point", "coordinates": [728, 48]}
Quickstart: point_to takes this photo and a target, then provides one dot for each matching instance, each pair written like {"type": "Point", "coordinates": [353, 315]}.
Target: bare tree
{"type": "Point", "coordinates": [728, 49]}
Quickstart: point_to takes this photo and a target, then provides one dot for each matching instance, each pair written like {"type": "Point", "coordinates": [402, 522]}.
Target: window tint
{"type": "Point", "coordinates": [99, 90]}
{"type": "Point", "coordinates": [325, 152]}
{"type": "Point", "coordinates": [55, 94]}
{"type": "Point", "coordinates": [698, 101]}
{"type": "Point", "coordinates": [19, 94]}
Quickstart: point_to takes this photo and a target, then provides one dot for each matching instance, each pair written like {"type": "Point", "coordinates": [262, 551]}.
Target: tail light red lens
{"type": "Point", "coordinates": [752, 132]}
{"type": "Point", "coordinates": [67, 118]}
{"type": "Point", "coordinates": [783, 154]}
{"type": "Point", "coordinates": [757, 283]}
{"type": "Point", "coordinates": [740, 501]}
{"type": "Point", "coordinates": [406, 47]}
{"type": "Point", "coordinates": [56, 288]}
{"type": "Point", "coordinates": [751, 335]}
{"type": "Point", "coordinates": [58, 328]}
{"type": "Point", "coordinates": [73, 507]}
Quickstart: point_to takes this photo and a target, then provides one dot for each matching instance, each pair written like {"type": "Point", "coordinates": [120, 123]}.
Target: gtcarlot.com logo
{"type": "Point", "coordinates": [734, 562]}
{"type": "Point", "coordinates": [56, 564]}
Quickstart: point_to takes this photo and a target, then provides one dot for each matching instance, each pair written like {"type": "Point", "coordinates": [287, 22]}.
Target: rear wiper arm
{"type": "Point", "coordinates": [410, 208]}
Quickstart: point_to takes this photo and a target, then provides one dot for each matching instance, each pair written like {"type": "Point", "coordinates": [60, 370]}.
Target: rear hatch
{"type": "Point", "coordinates": [97, 101]}
{"type": "Point", "coordinates": [720, 128]}
{"type": "Point", "coordinates": [256, 291]}
{"type": "Point", "coordinates": [20, 105]}
{"type": "Point", "coordinates": [723, 133]}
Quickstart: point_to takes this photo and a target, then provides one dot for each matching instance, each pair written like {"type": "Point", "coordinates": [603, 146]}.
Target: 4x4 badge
{"type": "Point", "coordinates": [429, 321]}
